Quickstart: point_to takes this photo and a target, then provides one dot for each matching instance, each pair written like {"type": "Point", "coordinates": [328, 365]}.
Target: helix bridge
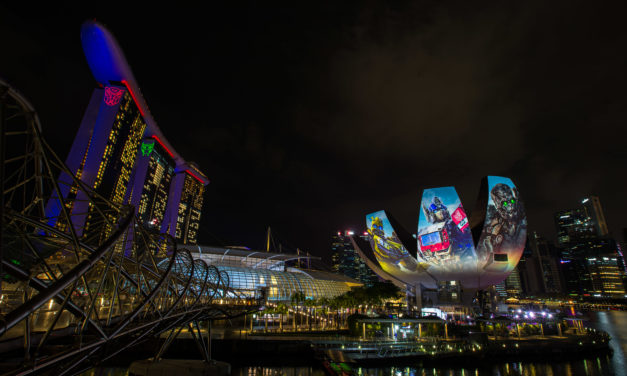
{"type": "Point", "coordinates": [74, 296]}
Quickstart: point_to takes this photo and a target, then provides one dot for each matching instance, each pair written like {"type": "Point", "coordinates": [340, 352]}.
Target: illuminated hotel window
{"type": "Point", "coordinates": [154, 199]}
{"type": "Point", "coordinates": [189, 211]}
{"type": "Point", "coordinates": [118, 159]}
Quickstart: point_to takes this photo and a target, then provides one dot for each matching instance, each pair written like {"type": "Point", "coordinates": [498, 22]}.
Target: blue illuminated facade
{"type": "Point", "coordinates": [120, 152]}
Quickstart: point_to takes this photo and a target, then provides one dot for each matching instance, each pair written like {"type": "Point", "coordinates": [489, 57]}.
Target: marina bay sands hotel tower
{"type": "Point", "coordinates": [121, 153]}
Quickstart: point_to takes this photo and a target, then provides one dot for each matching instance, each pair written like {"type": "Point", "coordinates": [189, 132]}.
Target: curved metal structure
{"type": "Point", "coordinates": [73, 297]}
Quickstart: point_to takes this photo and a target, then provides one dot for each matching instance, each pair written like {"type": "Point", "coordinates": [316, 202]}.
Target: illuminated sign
{"type": "Point", "coordinates": [460, 219]}
{"type": "Point", "coordinates": [113, 95]}
{"type": "Point", "coordinates": [147, 149]}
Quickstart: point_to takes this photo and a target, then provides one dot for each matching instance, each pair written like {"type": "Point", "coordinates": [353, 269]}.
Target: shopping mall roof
{"type": "Point", "coordinates": [250, 270]}
{"type": "Point", "coordinates": [242, 257]}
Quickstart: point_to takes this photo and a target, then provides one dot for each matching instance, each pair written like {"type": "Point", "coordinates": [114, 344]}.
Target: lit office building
{"type": "Point", "coordinates": [595, 211]}
{"type": "Point", "coordinates": [573, 225]}
{"type": "Point", "coordinates": [589, 257]}
{"type": "Point", "coordinates": [605, 277]}
{"type": "Point", "coordinates": [511, 287]}
{"type": "Point", "coordinates": [580, 267]}
{"type": "Point", "coordinates": [585, 222]}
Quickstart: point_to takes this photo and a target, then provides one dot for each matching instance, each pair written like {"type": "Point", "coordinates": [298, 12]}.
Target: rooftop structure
{"type": "Point", "coordinates": [122, 154]}
{"type": "Point", "coordinates": [250, 270]}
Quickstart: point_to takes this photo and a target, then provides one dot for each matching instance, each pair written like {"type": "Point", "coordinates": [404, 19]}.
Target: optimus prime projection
{"type": "Point", "coordinates": [478, 251]}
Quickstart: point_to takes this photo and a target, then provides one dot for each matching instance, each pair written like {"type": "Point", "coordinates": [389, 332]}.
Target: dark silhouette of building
{"type": "Point", "coordinates": [547, 258]}
{"type": "Point", "coordinates": [511, 287]}
{"type": "Point", "coordinates": [529, 270]}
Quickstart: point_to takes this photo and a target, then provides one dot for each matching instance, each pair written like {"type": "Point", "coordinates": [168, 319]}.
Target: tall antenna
{"type": "Point", "coordinates": [298, 259]}
{"type": "Point", "coordinates": [269, 239]}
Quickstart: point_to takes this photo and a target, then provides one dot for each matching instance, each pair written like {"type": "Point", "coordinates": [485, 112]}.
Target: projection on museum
{"type": "Point", "coordinates": [478, 250]}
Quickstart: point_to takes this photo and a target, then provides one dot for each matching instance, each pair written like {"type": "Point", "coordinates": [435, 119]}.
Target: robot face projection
{"type": "Point", "coordinates": [146, 149]}
{"type": "Point", "coordinates": [445, 246]}
{"type": "Point", "coordinates": [504, 229]}
{"type": "Point", "coordinates": [113, 95]}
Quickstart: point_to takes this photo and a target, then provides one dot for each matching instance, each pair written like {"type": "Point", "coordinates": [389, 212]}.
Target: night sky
{"type": "Point", "coordinates": [307, 117]}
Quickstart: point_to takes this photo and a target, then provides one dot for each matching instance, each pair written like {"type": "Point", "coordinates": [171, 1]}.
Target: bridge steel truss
{"type": "Point", "coordinates": [73, 295]}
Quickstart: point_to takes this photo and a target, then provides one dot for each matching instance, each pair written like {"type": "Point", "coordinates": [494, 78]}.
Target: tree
{"type": "Point", "coordinates": [296, 299]}
{"type": "Point", "coordinates": [311, 305]}
{"type": "Point", "coordinates": [324, 303]}
{"type": "Point", "coordinates": [267, 311]}
{"type": "Point", "coordinates": [281, 309]}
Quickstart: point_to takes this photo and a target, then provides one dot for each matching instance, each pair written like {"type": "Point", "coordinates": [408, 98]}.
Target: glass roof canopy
{"type": "Point", "coordinates": [280, 286]}
{"type": "Point", "coordinates": [240, 257]}
{"type": "Point", "coordinates": [251, 271]}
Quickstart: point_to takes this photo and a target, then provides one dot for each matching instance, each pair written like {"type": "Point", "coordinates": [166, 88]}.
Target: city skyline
{"type": "Point", "coordinates": [174, 177]}
{"type": "Point", "coordinates": [309, 130]}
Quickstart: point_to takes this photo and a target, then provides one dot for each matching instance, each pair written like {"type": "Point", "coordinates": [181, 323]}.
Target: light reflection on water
{"type": "Point", "coordinates": [613, 322]}
{"type": "Point", "coordinates": [106, 371]}
{"type": "Point", "coordinates": [276, 371]}
{"type": "Point", "coordinates": [586, 367]}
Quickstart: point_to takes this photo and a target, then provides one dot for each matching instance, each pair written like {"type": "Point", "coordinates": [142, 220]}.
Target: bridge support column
{"type": "Point", "coordinates": [26, 332]}
{"type": "Point", "coordinates": [200, 342]}
{"type": "Point", "coordinates": [209, 340]}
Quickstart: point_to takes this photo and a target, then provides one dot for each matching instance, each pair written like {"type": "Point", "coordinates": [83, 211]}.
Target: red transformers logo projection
{"type": "Point", "coordinates": [113, 95]}
{"type": "Point", "coordinates": [460, 219]}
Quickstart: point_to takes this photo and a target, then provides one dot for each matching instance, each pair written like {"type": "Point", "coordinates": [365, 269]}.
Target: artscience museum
{"type": "Point", "coordinates": [472, 251]}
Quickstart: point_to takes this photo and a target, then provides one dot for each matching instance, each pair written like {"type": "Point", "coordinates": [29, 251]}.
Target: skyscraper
{"type": "Point", "coordinates": [190, 199]}
{"type": "Point", "coordinates": [153, 197]}
{"type": "Point", "coordinates": [597, 217]}
{"type": "Point", "coordinates": [546, 258]}
{"type": "Point", "coordinates": [573, 225]}
{"type": "Point", "coordinates": [589, 256]}
{"type": "Point", "coordinates": [605, 277]}
{"type": "Point", "coordinates": [585, 222]}
{"type": "Point", "coordinates": [120, 152]}
{"type": "Point", "coordinates": [511, 287]}
{"type": "Point", "coordinates": [346, 261]}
